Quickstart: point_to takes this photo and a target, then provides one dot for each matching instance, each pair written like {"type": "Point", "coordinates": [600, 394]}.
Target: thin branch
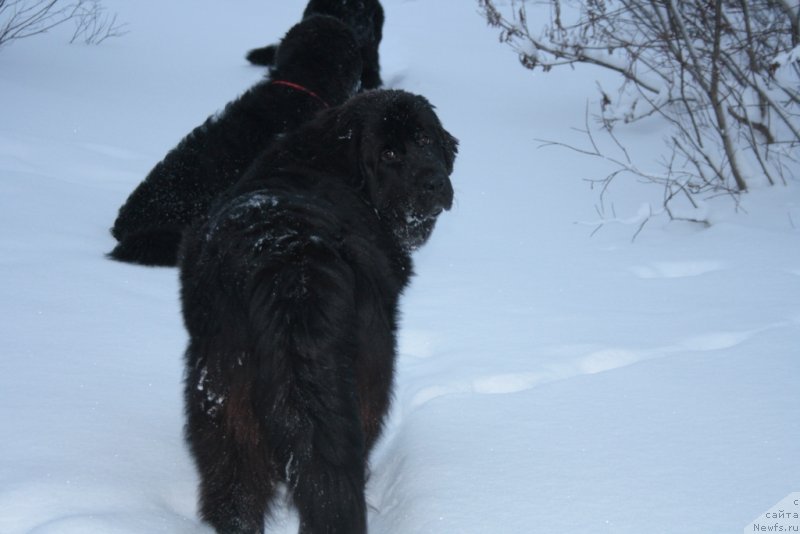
{"type": "Point", "coordinates": [26, 18]}
{"type": "Point", "coordinates": [727, 75]}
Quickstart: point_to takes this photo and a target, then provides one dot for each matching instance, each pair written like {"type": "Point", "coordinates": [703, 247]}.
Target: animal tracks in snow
{"type": "Point", "coordinates": [111, 151]}
{"type": "Point", "coordinates": [608, 359]}
{"type": "Point", "coordinates": [718, 340]}
{"type": "Point", "coordinates": [507, 383]}
{"type": "Point", "coordinates": [431, 374]}
{"type": "Point", "coordinates": [417, 343]}
{"type": "Point", "coordinates": [582, 360]}
{"type": "Point", "coordinates": [676, 269]}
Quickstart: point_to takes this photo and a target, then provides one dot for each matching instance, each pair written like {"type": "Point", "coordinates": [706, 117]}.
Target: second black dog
{"type": "Point", "coordinates": [290, 292]}
{"type": "Point", "coordinates": [365, 17]}
{"type": "Point", "coordinates": [319, 64]}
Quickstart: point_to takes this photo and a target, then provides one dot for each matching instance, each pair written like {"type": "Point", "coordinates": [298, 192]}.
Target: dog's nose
{"type": "Point", "coordinates": [435, 183]}
{"type": "Point", "coordinates": [438, 186]}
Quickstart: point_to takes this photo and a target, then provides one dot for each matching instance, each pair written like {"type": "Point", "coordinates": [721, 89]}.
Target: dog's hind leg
{"type": "Point", "coordinates": [237, 477]}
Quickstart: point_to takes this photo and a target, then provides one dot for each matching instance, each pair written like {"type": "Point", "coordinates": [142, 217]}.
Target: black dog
{"type": "Point", "coordinates": [365, 17]}
{"type": "Point", "coordinates": [290, 292]}
{"type": "Point", "coordinates": [318, 64]}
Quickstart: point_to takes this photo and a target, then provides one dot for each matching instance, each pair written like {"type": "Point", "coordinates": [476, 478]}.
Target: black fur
{"type": "Point", "coordinates": [321, 55]}
{"type": "Point", "coordinates": [365, 17]}
{"type": "Point", "coordinates": [290, 292]}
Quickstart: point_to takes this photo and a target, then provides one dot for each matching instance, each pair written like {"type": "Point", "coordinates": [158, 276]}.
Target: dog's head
{"type": "Point", "coordinates": [365, 17]}
{"type": "Point", "coordinates": [405, 158]}
{"type": "Point", "coordinates": [322, 54]}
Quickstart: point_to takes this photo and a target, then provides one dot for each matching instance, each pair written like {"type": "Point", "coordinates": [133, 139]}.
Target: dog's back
{"type": "Point", "coordinates": [181, 187]}
{"type": "Point", "coordinates": [364, 17]}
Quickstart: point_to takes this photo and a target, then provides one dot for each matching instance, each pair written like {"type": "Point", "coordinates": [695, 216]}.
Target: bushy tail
{"type": "Point", "coordinates": [311, 342]}
{"type": "Point", "coordinates": [263, 56]}
{"type": "Point", "coordinates": [156, 248]}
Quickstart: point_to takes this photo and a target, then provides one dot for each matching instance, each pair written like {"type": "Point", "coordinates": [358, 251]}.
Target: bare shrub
{"type": "Point", "coordinates": [26, 18]}
{"type": "Point", "coordinates": [725, 74]}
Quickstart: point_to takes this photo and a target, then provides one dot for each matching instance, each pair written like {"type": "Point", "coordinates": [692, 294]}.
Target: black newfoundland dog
{"type": "Point", "coordinates": [365, 17]}
{"type": "Point", "coordinates": [290, 292]}
{"type": "Point", "coordinates": [319, 64]}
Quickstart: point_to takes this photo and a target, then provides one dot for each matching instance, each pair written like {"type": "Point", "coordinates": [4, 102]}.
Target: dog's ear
{"type": "Point", "coordinates": [448, 141]}
{"type": "Point", "coordinates": [350, 148]}
{"type": "Point", "coordinates": [450, 144]}
{"type": "Point", "coordinates": [366, 158]}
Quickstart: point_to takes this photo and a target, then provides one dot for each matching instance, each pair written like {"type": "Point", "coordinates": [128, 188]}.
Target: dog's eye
{"type": "Point", "coordinates": [424, 140]}
{"type": "Point", "coordinates": [389, 155]}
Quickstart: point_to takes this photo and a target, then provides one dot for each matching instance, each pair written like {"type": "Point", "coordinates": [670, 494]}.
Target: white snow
{"type": "Point", "coordinates": [548, 380]}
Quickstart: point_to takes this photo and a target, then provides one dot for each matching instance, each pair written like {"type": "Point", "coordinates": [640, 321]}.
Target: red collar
{"type": "Point", "coordinates": [298, 87]}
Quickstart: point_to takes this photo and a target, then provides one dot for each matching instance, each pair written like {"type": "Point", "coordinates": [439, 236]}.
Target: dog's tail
{"type": "Point", "coordinates": [263, 56]}
{"type": "Point", "coordinates": [155, 248]}
{"type": "Point", "coordinates": [308, 348]}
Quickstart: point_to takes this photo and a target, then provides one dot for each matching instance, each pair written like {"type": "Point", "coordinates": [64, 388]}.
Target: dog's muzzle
{"type": "Point", "coordinates": [438, 192]}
